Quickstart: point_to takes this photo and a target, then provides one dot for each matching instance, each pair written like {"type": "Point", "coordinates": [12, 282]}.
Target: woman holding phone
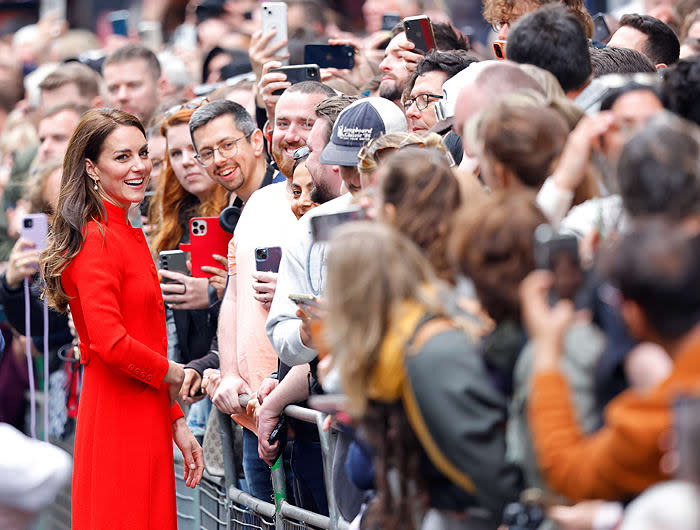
{"type": "Point", "coordinates": [101, 267]}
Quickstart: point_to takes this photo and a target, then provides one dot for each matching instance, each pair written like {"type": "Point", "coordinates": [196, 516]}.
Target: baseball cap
{"type": "Point", "coordinates": [357, 124]}
{"type": "Point", "coordinates": [445, 108]}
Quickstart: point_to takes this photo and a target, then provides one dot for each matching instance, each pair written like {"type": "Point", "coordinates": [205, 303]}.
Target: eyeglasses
{"type": "Point", "coordinates": [190, 105]}
{"type": "Point", "coordinates": [421, 100]}
{"type": "Point", "coordinates": [226, 149]}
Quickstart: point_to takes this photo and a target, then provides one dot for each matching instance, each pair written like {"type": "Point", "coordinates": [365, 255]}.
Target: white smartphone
{"type": "Point", "coordinates": [274, 16]}
{"type": "Point", "coordinates": [35, 228]}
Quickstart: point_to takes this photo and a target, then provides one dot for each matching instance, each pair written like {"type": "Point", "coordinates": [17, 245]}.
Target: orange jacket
{"type": "Point", "coordinates": [621, 459]}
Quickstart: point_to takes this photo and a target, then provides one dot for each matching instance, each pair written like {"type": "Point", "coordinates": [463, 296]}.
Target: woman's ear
{"type": "Point", "coordinates": [91, 169]}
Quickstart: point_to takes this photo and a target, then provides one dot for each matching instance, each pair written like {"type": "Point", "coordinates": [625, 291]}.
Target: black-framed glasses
{"type": "Point", "coordinates": [226, 148]}
{"type": "Point", "coordinates": [421, 100]}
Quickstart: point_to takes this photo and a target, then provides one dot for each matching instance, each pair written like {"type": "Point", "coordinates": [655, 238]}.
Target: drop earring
{"type": "Point", "coordinates": [95, 186]}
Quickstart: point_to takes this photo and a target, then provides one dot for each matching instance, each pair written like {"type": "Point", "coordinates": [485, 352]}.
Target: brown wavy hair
{"type": "Point", "coordinates": [498, 12]}
{"type": "Point", "coordinates": [171, 199]}
{"type": "Point", "coordinates": [420, 184]}
{"type": "Point", "coordinates": [78, 201]}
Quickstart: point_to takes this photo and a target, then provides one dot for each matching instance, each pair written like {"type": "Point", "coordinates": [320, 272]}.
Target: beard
{"type": "Point", "coordinates": [321, 193]}
{"type": "Point", "coordinates": [390, 90]}
{"type": "Point", "coordinates": [284, 162]}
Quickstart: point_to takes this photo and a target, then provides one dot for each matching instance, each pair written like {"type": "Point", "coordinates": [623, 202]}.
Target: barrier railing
{"type": "Point", "coordinates": [285, 515]}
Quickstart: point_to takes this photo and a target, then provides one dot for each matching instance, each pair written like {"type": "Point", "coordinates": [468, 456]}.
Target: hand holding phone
{"type": "Point", "coordinates": [274, 19]}
{"type": "Point", "coordinates": [419, 30]}
{"type": "Point", "coordinates": [297, 74]}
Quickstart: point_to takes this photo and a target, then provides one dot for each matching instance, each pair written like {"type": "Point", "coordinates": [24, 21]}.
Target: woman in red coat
{"type": "Point", "coordinates": [101, 267]}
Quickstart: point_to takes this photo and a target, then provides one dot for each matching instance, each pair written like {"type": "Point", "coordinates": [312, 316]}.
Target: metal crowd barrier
{"type": "Point", "coordinates": [247, 512]}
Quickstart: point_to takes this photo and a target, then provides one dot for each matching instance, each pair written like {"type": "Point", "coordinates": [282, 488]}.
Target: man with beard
{"type": "Point", "coordinates": [294, 118]}
{"type": "Point", "coordinates": [400, 60]}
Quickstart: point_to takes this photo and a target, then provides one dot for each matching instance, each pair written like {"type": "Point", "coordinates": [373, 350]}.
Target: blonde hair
{"type": "Point", "coordinates": [372, 270]}
{"type": "Point", "coordinates": [370, 155]}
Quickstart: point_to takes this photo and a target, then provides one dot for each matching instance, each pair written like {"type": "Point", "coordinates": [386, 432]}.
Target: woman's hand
{"type": "Point", "coordinates": [264, 286]}
{"type": "Point", "coordinates": [218, 281]}
{"type": "Point", "coordinates": [187, 293]}
{"type": "Point", "coordinates": [24, 261]}
{"type": "Point", "coordinates": [190, 391]}
{"type": "Point", "coordinates": [174, 377]}
{"type": "Point", "coordinates": [191, 451]}
{"type": "Point", "coordinates": [211, 381]}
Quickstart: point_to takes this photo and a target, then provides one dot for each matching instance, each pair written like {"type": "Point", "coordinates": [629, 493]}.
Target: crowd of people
{"type": "Point", "coordinates": [483, 255]}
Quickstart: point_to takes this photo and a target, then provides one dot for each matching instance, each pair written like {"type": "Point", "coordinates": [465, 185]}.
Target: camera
{"type": "Point", "coordinates": [199, 228]}
{"type": "Point", "coordinates": [28, 223]}
{"type": "Point", "coordinates": [260, 254]}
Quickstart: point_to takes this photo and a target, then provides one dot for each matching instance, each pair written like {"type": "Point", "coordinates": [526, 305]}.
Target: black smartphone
{"type": "Point", "coordinates": [559, 254]}
{"type": "Point", "coordinates": [601, 32]}
{"type": "Point", "coordinates": [278, 431]}
{"type": "Point", "coordinates": [146, 203]}
{"type": "Point", "coordinates": [297, 74]}
{"type": "Point", "coordinates": [174, 261]}
{"type": "Point", "coordinates": [268, 259]}
{"type": "Point", "coordinates": [389, 21]}
{"type": "Point", "coordinates": [419, 31]}
{"type": "Point", "coordinates": [327, 56]}
{"type": "Point", "coordinates": [322, 226]}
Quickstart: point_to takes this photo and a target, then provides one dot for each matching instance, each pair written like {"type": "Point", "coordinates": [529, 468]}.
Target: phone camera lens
{"type": "Point", "coordinates": [312, 72]}
{"type": "Point", "coordinates": [28, 223]}
{"type": "Point", "coordinates": [195, 231]}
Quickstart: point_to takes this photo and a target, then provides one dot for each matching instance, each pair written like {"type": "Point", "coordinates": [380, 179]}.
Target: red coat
{"type": "Point", "coordinates": [123, 474]}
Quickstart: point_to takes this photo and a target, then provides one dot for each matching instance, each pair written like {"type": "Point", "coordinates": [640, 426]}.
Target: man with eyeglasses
{"type": "Point", "coordinates": [425, 87]}
{"type": "Point", "coordinates": [231, 149]}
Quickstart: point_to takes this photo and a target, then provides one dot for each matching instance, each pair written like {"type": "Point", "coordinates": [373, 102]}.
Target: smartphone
{"type": "Point", "coordinates": [274, 17]}
{"type": "Point", "coordinates": [53, 6]}
{"type": "Point", "coordinates": [499, 49]}
{"type": "Point", "coordinates": [206, 238]}
{"type": "Point", "coordinates": [322, 226]}
{"type": "Point", "coordinates": [174, 261]}
{"type": "Point", "coordinates": [151, 34]}
{"type": "Point", "coordinates": [268, 259]}
{"type": "Point", "coordinates": [559, 254]}
{"type": "Point", "coordinates": [419, 31]}
{"type": "Point", "coordinates": [389, 21]}
{"type": "Point", "coordinates": [120, 22]}
{"type": "Point", "coordinates": [601, 31]}
{"type": "Point", "coordinates": [297, 74]}
{"type": "Point", "coordinates": [304, 300]}
{"type": "Point", "coordinates": [35, 228]}
{"type": "Point", "coordinates": [146, 202]}
{"type": "Point", "coordinates": [327, 56]}
{"type": "Point", "coordinates": [279, 430]}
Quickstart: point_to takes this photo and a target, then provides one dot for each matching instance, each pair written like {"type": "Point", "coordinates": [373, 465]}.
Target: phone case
{"type": "Point", "coordinates": [35, 228]}
{"type": "Point", "coordinates": [274, 16]}
{"type": "Point", "coordinates": [206, 238]}
{"type": "Point", "coordinates": [327, 56]}
{"type": "Point", "coordinates": [298, 73]}
{"type": "Point", "coordinates": [174, 261]}
{"type": "Point", "coordinates": [419, 31]}
{"type": "Point", "coordinates": [268, 259]}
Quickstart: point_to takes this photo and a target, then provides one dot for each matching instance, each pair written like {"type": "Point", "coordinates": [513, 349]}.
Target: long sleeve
{"type": "Point", "coordinates": [97, 273]}
{"type": "Point", "coordinates": [282, 323]}
{"type": "Point", "coordinates": [617, 462]}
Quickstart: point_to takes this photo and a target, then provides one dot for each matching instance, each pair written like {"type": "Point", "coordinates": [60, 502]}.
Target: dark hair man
{"type": "Point", "coordinates": [614, 60]}
{"type": "Point", "coordinates": [553, 39]}
{"type": "Point", "coordinates": [395, 71]}
{"type": "Point", "coordinates": [680, 89]}
{"type": "Point", "coordinates": [649, 36]}
{"type": "Point", "coordinates": [72, 82]}
{"type": "Point", "coordinates": [133, 78]}
{"type": "Point", "coordinates": [230, 147]}
{"type": "Point", "coordinates": [424, 87]}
